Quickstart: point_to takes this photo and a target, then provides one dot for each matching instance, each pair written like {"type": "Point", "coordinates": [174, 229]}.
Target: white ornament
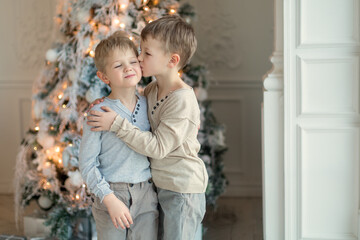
{"type": "Point", "coordinates": [201, 93]}
{"type": "Point", "coordinates": [44, 202]}
{"type": "Point", "coordinates": [206, 159]}
{"type": "Point", "coordinates": [45, 140]}
{"type": "Point", "coordinates": [103, 29]}
{"type": "Point", "coordinates": [69, 186]}
{"type": "Point", "coordinates": [72, 75]}
{"type": "Point", "coordinates": [75, 178]}
{"type": "Point", "coordinates": [51, 55]}
{"type": "Point", "coordinates": [83, 16]}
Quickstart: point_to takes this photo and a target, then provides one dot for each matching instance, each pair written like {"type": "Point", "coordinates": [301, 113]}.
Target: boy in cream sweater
{"type": "Point", "coordinates": [167, 45]}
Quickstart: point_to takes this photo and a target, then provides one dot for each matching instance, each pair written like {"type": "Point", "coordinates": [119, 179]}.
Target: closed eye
{"type": "Point", "coordinates": [118, 66]}
{"type": "Point", "coordinates": [147, 53]}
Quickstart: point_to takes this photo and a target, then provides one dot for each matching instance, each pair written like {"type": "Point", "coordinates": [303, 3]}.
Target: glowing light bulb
{"type": "Point", "coordinates": [92, 53]}
{"type": "Point", "coordinates": [123, 6]}
{"type": "Point", "coordinates": [37, 128]}
{"type": "Point", "coordinates": [83, 185]}
{"type": "Point", "coordinates": [35, 148]}
{"type": "Point", "coordinates": [131, 38]}
{"type": "Point", "coordinates": [60, 96]}
{"type": "Point", "coordinates": [146, 9]}
{"type": "Point", "coordinates": [64, 106]}
{"type": "Point", "coordinates": [145, 1]}
{"type": "Point", "coordinates": [150, 21]}
{"type": "Point", "coordinates": [60, 161]}
{"type": "Point", "coordinates": [92, 23]}
{"type": "Point", "coordinates": [57, 149]}
{"type": "Point", "coordinates": [77, 197]}
{"type": "Point", "coordinates": [52, 128]}
{"type": "Point", "coordinates": [116, 21]}
{"type": "Point", "coordinates": [70, 144]}
{"type": "Point", "coordinates": [85, 114]}
{"type": "Point", "coordinates": [122, 25]}
{"type": "Point", "coordinates": [172, 11]}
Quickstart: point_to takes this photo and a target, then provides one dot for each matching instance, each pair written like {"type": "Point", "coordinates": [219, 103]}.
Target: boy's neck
{"type": "Point", "coordinates": [169, 82]}
{"type": "Point", "coordinates": [126, 96]}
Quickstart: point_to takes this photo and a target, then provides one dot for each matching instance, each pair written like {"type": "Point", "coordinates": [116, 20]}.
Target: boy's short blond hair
{"type": "Point", "coordinates": [118, 39]}
{"type": "Point", "coordinates": [177, 35]}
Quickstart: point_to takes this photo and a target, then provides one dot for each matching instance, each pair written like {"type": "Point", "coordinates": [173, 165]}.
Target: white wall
{"type": "Point", "coordinates": [235, 40]}
{"type": "Point", "coordinates": [25, 28]}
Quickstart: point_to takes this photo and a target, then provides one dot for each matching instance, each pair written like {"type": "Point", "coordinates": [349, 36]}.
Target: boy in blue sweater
{"type": "Point", "coordinates": [117, 176]}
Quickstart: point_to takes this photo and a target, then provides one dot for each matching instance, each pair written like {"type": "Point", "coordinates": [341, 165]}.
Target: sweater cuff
{"type": "Point", "coordinates": [116, 125]}
{"type": "Point", "coordinates": [104, 193]}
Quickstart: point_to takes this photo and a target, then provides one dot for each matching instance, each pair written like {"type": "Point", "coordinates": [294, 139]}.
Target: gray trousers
{"type": "Point", "coordinates": [141, 199]}
{"type": "Point", "coordinates": [180, 214]}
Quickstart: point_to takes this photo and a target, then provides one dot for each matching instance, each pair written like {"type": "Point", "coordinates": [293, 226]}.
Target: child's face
{"type": "Point", "coordinates": [122, 69]}
{"type": "Point", "coordinates": [153, 59]}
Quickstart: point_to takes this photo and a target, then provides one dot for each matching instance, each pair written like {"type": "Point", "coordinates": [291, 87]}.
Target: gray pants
{"type": "Point", "coordinates": [180, 214]}
{"type": "Point", "coordinates": [142, 202]}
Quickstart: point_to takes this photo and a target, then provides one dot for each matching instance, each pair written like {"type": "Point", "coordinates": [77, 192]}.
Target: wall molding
{"type": "Point", "coordinates": [235, 84]}
{"type": "Point", "coordinates": [16, 84]}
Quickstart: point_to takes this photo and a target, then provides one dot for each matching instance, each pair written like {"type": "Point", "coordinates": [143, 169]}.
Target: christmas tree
{"type": "Point", "coordinates": [47, 163]}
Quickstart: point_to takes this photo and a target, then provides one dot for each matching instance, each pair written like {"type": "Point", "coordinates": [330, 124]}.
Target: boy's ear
{"type": "Point", "coordinates": [174, 60]}
{"type": "Point", "coordinates": [103, 77]}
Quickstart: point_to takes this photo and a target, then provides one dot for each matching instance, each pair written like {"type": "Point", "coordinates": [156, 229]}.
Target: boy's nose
{"type": "Point", "coordinates": [140, 57]}
{"type": "Point", "coordinates": [127, 68]}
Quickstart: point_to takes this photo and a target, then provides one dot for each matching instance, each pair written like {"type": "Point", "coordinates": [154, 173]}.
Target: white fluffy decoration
{"type": "Point", "coordinates": [72, 75]}
{"type": "Point", "coordinates": [47, 172]}
{"type": "Point", "coordinates": [201, 93]}
{"type": "Point", "coordinates": [91, 95]}
{"type": "Point", "coordinates": [103, 29]}
{"type": "Point", "coordinates": [69, 186]}
{"type": "Point", "coordinates": [83, 16]}
{"type": "Point", "coordinates": [75, 178]}
{"type": "Point", "coordinates": [46, 140]}
{"type": "Point", "coordinates": [51, 55]}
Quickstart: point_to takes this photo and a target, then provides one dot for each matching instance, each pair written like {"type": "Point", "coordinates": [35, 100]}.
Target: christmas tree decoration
{"type": "Point", "coordinates": [47, 166]}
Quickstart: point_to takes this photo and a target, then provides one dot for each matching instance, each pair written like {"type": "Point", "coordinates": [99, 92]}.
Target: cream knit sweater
{"type": "Point", "coordinates": [172, 145]}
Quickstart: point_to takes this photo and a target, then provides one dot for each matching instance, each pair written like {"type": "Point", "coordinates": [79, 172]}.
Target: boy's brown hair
{"type": "Point", "coordinates": [118, 39]}
{"type": "Point", "coordinates": [177, 35]}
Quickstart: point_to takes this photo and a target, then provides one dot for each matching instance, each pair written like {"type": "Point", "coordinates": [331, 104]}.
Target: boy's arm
{"type": "Point", "coordinates": [88, 163]}
{"type": "Point", "coordinates": [89, 151]}
{"type": "Point", "coordinates": [169, 135]}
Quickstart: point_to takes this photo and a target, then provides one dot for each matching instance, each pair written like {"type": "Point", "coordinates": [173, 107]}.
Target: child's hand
{"type": "Point", "coordinates": [101, 121]}
{"type": "Point", "coordinates": [119, 213]}
{"type": "Point", "coordinates": [97, 101]}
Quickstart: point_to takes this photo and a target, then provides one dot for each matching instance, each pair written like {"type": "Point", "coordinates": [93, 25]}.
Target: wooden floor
{"type": "Point", "coordinates": [234, 219]}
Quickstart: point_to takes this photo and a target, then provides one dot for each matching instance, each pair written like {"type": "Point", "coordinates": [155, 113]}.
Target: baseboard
{"type": "Point", "coordinates": [243, 191]}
